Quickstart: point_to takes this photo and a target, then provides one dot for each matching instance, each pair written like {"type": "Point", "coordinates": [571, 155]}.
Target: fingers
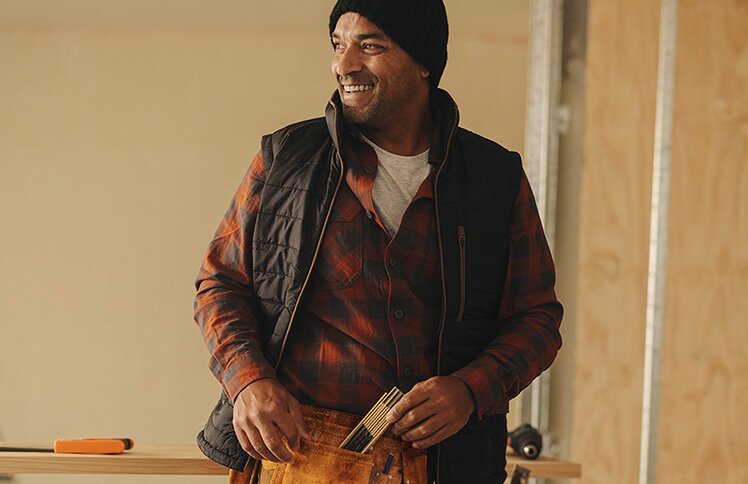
{"type": "Point", "coordinates": [422, 428]}
{"type": "Point", "coordinates": [412, 408]}
{"type": "Point", "coordinates": [267, 420]}
{"type": "Point", "coordinates": [258, 444]}
{"type": "Point", "coordinates": [434, 438]}
{"type": "Point", "coordinates": [409, 401]}
{"type": "Point", "coordinates": [298, 417]}
{"type": "Point", "coordinates": [432, 411]}
{"type": "Point", "coordinates": [251, 442]}
{"type": "Point", "coordinates": [273, 439]}
{"type": "Point", "coordinates": [415, 417]}
{"type": "Point", "coordinates": [245, 443]}
{"type": "Point", "coordinates": [265, 442]}
{"type": "Point", "coordinates": [425, 426]}
{"type": "Point", "coordinates": [287, 426]}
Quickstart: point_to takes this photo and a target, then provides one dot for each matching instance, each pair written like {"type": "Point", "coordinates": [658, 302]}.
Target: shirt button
{"type": "Point", "coordinates": [399, 313]}
{"type": "Point", "coordinates": [369, 170]}
{"type": "Point", "coordinates": [392, 262]}
{"type": "Point", "coordinates": [369, 215]}
{"type": "Point", "coordinates": [407, 372]}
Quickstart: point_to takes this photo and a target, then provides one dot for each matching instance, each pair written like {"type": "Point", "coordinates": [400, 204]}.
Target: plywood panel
{"type": "Point", "coordinates": [614, 229]}
{"type": "Point", "coordinates": [704, 407]}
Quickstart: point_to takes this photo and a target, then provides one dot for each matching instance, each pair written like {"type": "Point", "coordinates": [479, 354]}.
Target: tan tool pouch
{"type": "Point", "coordinates": [320, 461]}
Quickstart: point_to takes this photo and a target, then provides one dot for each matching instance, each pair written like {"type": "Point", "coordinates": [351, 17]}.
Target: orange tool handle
{"type": "Point", "coordinates": [92, 446]}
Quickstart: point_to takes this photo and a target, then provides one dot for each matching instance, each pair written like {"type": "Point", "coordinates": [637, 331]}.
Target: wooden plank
{"type": "Point", "coordinates": [544, 468]}
{"type": "Point", "coordinates": [187, 460]}
{"type": "Point", "coordinates": [621, 84]}
{"type": "Point", "coordinates": [703, 432]}
{"type": "Point", "coordinates": [143, 459]}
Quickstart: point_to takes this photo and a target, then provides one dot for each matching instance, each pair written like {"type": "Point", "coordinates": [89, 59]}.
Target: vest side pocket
{"type": "Point", "coordinates": [461, 240]}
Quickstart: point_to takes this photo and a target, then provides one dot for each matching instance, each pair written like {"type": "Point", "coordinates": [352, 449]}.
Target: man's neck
{"type": "Point", "coordinates": [406, 137]}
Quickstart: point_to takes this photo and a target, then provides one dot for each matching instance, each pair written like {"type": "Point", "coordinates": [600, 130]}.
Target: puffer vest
{"type": "Point", "coordinates": [475, 190]}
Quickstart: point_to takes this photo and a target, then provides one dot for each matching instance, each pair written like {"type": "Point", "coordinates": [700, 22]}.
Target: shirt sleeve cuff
{"type": "Point", "coordinates": [242, 372]}
{"type": "Point", "coordinates": [487, 393]}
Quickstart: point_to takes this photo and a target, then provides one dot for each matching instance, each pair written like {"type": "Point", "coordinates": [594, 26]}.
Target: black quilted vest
{"type": "Point", "coordinates": [475, 191]}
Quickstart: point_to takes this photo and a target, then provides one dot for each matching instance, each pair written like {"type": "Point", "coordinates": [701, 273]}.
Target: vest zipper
{"type": "Point", "coordinates": [319, 241]}
{"type": "Point", "coordinates": [441, 264]}
{"type": "Point", "coordinates": [461, 240]}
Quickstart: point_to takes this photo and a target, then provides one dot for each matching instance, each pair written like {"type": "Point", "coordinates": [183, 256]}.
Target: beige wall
{"type": "Point", "coordinates": [124, 130]}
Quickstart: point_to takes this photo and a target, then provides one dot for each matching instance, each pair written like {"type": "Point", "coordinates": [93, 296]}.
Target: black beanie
{"type": "Point", "coordinates": [418, 26]}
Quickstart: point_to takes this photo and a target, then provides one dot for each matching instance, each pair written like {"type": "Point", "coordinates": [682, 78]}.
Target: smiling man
{"type": "Point", "coordinates": [379, 246]}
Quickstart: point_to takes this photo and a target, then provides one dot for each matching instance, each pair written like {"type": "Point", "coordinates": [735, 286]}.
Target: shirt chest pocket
{"type": "Point", "coordinates": [340, 259]}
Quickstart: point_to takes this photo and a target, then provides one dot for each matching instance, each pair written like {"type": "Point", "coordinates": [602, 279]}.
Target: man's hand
{"type": "Point", "coordinates": [432, 411]}
{"type": "Point", "coordinates": [268, 420]}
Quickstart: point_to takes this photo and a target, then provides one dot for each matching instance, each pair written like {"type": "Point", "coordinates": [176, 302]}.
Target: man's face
{"type": "Point", "coordinates": [378, 81]}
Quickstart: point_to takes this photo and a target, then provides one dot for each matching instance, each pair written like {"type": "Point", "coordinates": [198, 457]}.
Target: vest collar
{"type": "Point", "coordinates": [445, 108]}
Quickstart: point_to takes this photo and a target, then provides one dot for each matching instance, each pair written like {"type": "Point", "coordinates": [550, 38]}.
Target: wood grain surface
{"type": "Point", "coordinates": [186, 459]}
{"type": "Point", "coordinates": [621, 82]}
{"type": "Point", "coordinates": [544, 468]}
{"type": "Point", "coordinates": [703, 432]}
{"type": "Point", "coordinates": [183, 459]}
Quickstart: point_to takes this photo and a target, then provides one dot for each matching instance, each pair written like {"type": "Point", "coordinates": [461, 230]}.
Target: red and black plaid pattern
{"type": "Point", "coordinates": [224, 289]}
{"type": "Point", "coordinates": [369, 316]}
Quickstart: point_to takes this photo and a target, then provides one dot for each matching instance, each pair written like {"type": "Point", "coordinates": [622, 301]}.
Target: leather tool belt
{"type": "Point", "coordinates": [319, 460]}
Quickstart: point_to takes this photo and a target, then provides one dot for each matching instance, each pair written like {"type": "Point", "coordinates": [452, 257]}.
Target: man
{"type": "Point", "coordinates": [379, 246]}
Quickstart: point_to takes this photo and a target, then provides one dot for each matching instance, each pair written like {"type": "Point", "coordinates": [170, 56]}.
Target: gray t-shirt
{"type": "Point", "coordinates": [398, 179]}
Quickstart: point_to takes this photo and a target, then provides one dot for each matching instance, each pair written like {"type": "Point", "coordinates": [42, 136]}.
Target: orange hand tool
{"type": "Point", "coordinates": [74, 446]}
{"type": "Point", "coordinates": [92, 446]}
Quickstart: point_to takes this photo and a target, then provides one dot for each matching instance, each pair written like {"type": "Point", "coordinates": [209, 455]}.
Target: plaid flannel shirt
{"type": "Point", "coordinates": [369, 317]}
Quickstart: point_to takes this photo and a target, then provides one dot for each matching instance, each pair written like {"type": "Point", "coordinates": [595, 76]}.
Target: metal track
{"type": "Point", "coordinates": [541, 154]}
{"type": "Point", "coordinates": [658, 240]}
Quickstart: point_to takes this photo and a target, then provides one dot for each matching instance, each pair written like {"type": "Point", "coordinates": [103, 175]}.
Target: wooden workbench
{"type": "Point", "coordinates": [186, 459]}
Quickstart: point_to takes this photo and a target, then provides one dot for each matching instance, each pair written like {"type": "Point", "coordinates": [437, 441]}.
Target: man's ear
{"type": "Point", "coordinates": [425, 73]}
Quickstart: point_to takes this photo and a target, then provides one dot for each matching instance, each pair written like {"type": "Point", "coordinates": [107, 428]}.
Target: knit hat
{"type": "Point", "coordinates": [418, 26]}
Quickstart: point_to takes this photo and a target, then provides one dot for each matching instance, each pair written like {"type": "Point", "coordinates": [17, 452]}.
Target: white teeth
{"type": "Point", "coordinates": [357, 88]}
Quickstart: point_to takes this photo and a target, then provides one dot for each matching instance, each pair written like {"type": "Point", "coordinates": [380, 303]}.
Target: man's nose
{"type": "Point", "coordinates": [347, 62]}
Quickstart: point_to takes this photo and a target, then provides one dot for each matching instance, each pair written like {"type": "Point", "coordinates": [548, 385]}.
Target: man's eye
{"type": "Point", "coordinates": [337, 47]}
{"type": "Point", "coordinates": [369, 46]}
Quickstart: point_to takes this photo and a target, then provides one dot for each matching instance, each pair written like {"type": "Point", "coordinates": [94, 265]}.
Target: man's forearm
{"type": "Point", "coordinates": [223, 304]}
{"type": "Point", "coordinates": [525, 346]}
{"type": "Point", "coordinates": [230, 331]}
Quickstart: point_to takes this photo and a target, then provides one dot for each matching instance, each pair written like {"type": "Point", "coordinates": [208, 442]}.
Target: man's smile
{"type": "Point", "coordinates": [358, 87]}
